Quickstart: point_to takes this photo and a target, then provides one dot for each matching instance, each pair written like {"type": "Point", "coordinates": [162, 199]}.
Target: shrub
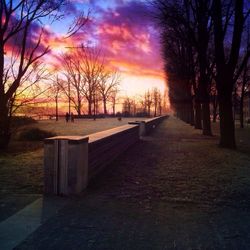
{"type": "Point", "coordinates": [19, 121]}
{"type": "Point", "coordinates": [35, 134]}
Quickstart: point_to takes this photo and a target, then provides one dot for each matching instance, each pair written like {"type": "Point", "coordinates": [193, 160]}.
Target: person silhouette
{"type": "Point", "coordinates": [72, 117]}
{"type": "Point", "coordinates": [67, 117]}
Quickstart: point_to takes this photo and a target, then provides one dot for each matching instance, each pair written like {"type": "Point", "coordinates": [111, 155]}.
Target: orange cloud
{"type": "Point", "coordinates": [126, 36]}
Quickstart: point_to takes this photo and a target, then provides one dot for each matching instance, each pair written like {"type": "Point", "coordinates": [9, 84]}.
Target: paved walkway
{"type": "Point", "coordinates": [173, 190]}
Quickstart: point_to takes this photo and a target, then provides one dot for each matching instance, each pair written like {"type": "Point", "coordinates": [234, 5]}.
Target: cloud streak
{"type": "Point", "coordinates": [129, 39]}
{"type": "Point", "coordinates": [124, 30]}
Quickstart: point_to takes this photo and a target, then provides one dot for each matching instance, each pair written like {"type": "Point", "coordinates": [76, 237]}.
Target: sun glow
{"type": "Point", "coordinates": [126, 39]}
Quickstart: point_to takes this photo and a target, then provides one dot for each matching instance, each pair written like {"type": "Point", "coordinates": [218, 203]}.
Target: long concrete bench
{"type": "Point", "coordinates": [152, 123]}
{"type": "Point", "coordinates": [71, 161]}
{"type": "Point", "coordinates": [105, 146]}
{"type": "Point", "coordinates": [148, 125]}
{"type": "Point", "coordinates": [65, 164]}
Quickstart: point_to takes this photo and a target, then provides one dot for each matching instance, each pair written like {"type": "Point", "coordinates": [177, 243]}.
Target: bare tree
{"type": "Point", "coordinates": [114, 99]}
{"type": "Point", "coordinates": [156, 100]}
{"type": "Point", "coordinates": [214, 101]}
{"type": "Point", "coordinates": [108, 83]}
{"type": "Point", "coordinates": [55, 91]}
{"type": "Point", "coordinates": [227, 69]}
{"type": "Point", "coordinates": [88, 79]}
{"type": "Point", "coordinates": [148, 101]}
{"type": "Point", "coordinates": [92, 68]}
{"type": "Point", "coordinates": [187, 31]}
{"type": "Point", "coordinates": [97, 98]}
{"type": "Point", "coordinates": [73, 87]}
{"type": "Point", "coordinates": [30, 88]}
{"type": "Point", "coordinates": [213, 29]}
{"type": "Point", "coordinates": [243, 83]}
{"type": "Point", "coordinates": [127, 106]}
{"type": "Point", "coordinates": [160, 99]}
{"type": "Point", "coordinates": [20, 47]}
{"type": "Point", "coordinates": [143, 104]}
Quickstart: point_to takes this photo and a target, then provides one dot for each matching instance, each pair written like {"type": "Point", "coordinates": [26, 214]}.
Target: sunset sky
{"type": "Point", "coordinates": [124, 31]}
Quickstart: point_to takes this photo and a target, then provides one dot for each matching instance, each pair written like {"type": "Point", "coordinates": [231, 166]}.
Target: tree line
{"type": "Point", "coordinates": [152, 103]}
{"type": "Point", "coordinates": [206, 49]}
{"type": "Point", "coordinates": [92, 97]}
{"type": "Point", "coordinates": [84, 78]}
{"type": "Point", "coordinates": [22, 49]}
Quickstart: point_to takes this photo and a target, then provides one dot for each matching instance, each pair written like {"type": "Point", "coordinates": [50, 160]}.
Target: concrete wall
{"type": "Point", "coordinates": [65, 164]}
{"type": "Point", "coordinates": [71, 161]}
{"type": "Point", "coordinates": [152, 123]}
{"type": "Point", "coordinates": [111, 143]}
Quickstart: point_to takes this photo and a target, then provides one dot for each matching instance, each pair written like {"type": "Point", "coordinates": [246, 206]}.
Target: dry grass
{"type": "Point", "coordinates": [196, 167]}
{"type": "Point", "coordinates": [21, 173]}
{"type": "Point", "coordinates": [21, 168]}
{"type": "Point", "coordinates": [175, 189]}
{"type": "Point", "coordinates": [242, 136]}
{"type": "Point", "coordinates": [178, 164]}
{"type": "Point", "coordinates": [80, 126]}
{"type": "Point", "coordinates": [201, 170]}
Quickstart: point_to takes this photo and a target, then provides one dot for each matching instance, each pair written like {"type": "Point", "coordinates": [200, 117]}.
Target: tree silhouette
{"type": "Point", "coordinates": [202, 43]}
{"type": "Point", "coordinates": [21, 46]}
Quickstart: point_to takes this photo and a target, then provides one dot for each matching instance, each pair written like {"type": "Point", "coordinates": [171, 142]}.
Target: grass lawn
{"type": "Point", "coordinates": [21, 169]}
{"type": "Point", "coordinates": [175, 189]}
{"type": "Point", "coordinates": [177, 164]}
{"type": "Point", "coordinates": [242, 136]}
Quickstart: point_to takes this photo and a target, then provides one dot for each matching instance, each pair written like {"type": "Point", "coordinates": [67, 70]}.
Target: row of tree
{"type": "Point", "coordinates": [206, 51]}
{"type": "Point", "coordinates": [152, 103]}
{"type": "Point", "coordinates": [84, 78]}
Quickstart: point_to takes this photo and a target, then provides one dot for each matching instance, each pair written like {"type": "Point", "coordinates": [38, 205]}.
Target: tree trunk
{"type": "Point", "coordinates": [241, 110]}
{"type": "Point", "coordinates": [244, 82]}
{"type": "Point", "coordinates": [206, 123]}
{"type": "Point", "coordinates": [4, 127]}
{"type": "Point", "coordinates": [214, 110]}
{"type": "Point", "coordinates": [69, 100]}
{"type": "Point", "coordinates": [79, 106]}
{"type": "Point", "coordinates": [227, 129]}
{"type": "Point", "coordinates": [155, 111]}
{"type": "Point", "coordinates": [204, 98]}
{"type": "Point", "coordinates": [89, 107]}
{"type": "Point", "coordinates": [94, 110]}
{"type": "Point", "coordinates": [56, 108]}
{"type": "Point", "coordinates": [225, 68]}
{"type": "Point", "coordinates": [197, 122]}
{"type": "Point", "coordinates": [191, 113]}
{"type": "Point", "coordinates": [79, 110]}
{"type": "Point", "coordinates": [105, 106]}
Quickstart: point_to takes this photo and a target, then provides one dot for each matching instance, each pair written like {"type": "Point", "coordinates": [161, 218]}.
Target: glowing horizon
{"type": "Point", "coordinates": [124, 32]}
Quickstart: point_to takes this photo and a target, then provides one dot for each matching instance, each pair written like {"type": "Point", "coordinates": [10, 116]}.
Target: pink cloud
{"type": "Point", "coordinates": [127, 35]}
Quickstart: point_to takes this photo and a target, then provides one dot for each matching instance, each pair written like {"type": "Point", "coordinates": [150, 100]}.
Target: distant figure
{"type": "Point", "coordinates": [72, 117]}
{"type": "Point", "coordinates": [119, 118]}
{"type": "Point", "coordinates": [67, 117]}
